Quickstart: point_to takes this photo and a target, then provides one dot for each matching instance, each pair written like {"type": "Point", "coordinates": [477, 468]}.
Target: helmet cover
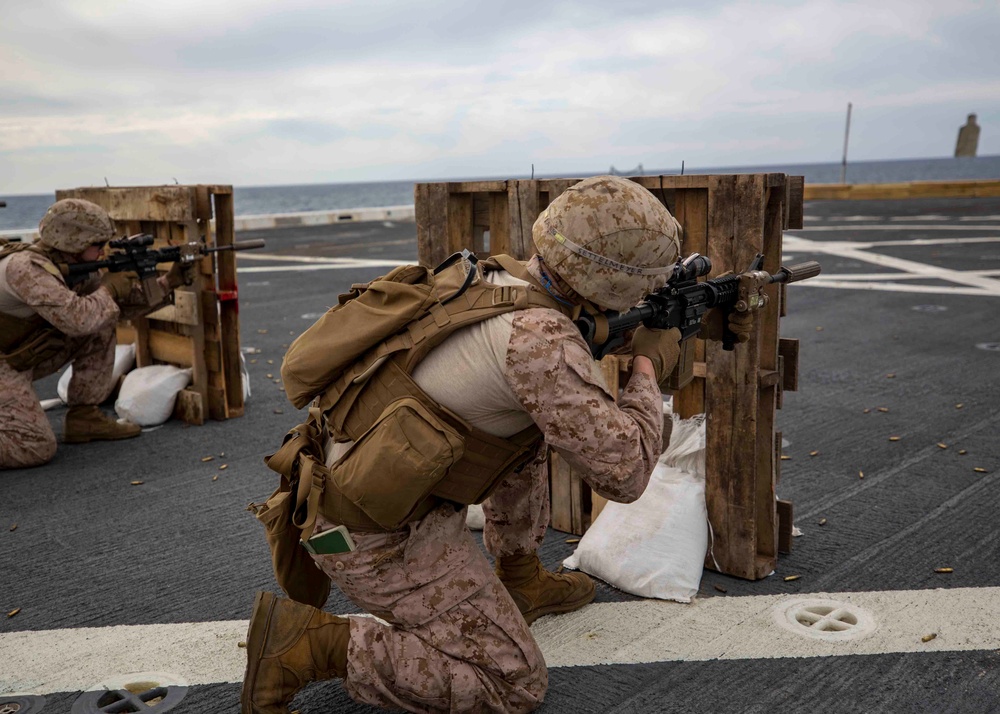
{"type": "Point", "coordinates": [610, 240]}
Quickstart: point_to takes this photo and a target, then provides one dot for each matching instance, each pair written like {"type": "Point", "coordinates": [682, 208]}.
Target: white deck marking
{"type": "Point", "coordinates": [972, 282]}
{"type": "Point", "coordinates": [303, 263]}
{"type": "Point", "coordinates": [891, 276]}
{"type": "Point", "coordinates": [717, 628]}
{"type": "Point", "coordinates": [897, 288]}
{"type": "Point", "coordinates": [900, 227]}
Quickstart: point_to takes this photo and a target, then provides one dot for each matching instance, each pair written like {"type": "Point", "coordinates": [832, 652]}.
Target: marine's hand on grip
{"type": "Point", "coordinates": [120, 285]}
{"type": "Point", "coordinates": [661, 347]}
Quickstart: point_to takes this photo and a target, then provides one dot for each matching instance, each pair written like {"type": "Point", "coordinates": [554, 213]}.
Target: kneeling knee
{"type": "Point", "coordinates": [22, 451]}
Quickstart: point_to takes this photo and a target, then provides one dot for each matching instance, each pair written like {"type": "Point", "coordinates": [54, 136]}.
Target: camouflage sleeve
{"type": "Point", "coordinates": [48, 295]}
{"type": "Point", "coordinates": [613, 447]}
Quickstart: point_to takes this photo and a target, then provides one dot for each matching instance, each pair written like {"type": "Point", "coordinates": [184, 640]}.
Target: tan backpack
{"type": "Point", "coordinates": [409, 454]}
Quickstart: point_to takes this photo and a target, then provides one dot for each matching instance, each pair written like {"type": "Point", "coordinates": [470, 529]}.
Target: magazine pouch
{"type": "Point", "coordinates": [294, 569]}
{"type": "Point", "coordinates": [392, 469]}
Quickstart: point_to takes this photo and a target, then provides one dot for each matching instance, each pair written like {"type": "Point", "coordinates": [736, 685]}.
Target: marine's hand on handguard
{"type": "Point", "coordinates": [180, 273]}
{"type": "Point", "coordinates": [715, 323]}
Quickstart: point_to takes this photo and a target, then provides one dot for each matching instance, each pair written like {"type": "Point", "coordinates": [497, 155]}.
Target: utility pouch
{"type": "Point", "coordinates": [294, 568]}
{"type": "Point", "coordinates": [395, 465]}
{"type": "Point", "coordinates": [47, 343]}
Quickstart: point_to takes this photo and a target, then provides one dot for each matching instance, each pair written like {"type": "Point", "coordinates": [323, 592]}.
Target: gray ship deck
{"type": "Point", "coordinates": [113, 579]}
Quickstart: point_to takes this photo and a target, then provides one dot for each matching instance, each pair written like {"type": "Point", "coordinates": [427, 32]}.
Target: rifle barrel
{"type": "Point", "coordinates": [242, 245]}
{"type": "Point", "coordinates": [795, 273]}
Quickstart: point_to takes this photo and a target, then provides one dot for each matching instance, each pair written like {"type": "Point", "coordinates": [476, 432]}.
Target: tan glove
{"type": "Point", "coordinates": [120, 285]}
{"type": "Point", "coordinates": [179, 274]}
{"type": "Point", "coordinates": [662, 347]}
{"type": "Point", "coordinates": [713, 326]}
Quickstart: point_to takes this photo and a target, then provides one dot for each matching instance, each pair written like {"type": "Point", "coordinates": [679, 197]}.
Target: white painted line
{"type": "Point", "coordinates": [919, 218]}
{"type": "Point", "coordinates": [979, 218]}
{"type": "Point", "coordinates": [856, 251]}
{"type": "Point", "coordinates": [896, 288]}
{"type": "Point", "coordinates": [717, 628]}
{"type": "Point", "coordinates": [929, 241]}
{"type": "Point", "coordinates": [900, 227]}
{"type": "Point", "coordinates": [744, 628]}
{"type": "Point", "coordinates": [826, 277]}
{"type": "Point", "coordinates": [323, 266]}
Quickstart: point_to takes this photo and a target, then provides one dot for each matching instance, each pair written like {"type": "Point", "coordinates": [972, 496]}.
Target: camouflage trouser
{"type": "Point", "coordinates": [517, 513]}
{"type": "Point", "coordinates": [26, 438]}
{"type": "Point", "coordinates": [455, 640]}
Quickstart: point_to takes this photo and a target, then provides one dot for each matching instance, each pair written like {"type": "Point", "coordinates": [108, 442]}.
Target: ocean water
{"type": "Point", "coordinates": [24, 212]}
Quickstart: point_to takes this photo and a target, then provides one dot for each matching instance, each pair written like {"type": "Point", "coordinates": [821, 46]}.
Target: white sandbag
{"type": "Point", "coordinates": [655, 547]}
{"type": "Point", "coordinates": [124, 359]}
{"type": "Point", "coordinates": [245, 377]}
{"type": "Point", "coordinates": [148, 394]}
{"type": "Point", "coordinates": [475, 519]}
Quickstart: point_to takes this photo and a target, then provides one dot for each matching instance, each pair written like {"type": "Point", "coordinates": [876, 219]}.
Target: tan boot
{"type": "Point", "coordinates": [88, 423]}
{"type": "Point", "coordinates": [538, 592]}
{"type": "Point", "coordinates": [289, 645]}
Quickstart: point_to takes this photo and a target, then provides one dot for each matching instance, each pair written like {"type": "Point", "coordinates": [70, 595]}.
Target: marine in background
{"type": "Point", "coordinates": [45, 325]}
{"type": "Point", "coordinates": [453, 630]}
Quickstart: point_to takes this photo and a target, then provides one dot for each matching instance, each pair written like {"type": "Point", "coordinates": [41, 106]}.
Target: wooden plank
{"type": "Point", "coordinates": [183, 311]}
{"type": "Point", "coordinates": [780, 393]}
{"type": "Point", "coordinates": [663, 187]}
{"type": "Point", "coordinates": [975, 188]}
{"type": "Point", "coordinates": [171, 348]}
{"type": "Point", "coordinates": [735, 212]}
{"type": "Point", "coordinates": [460, 229]}
{"type": "Point", "coordinates": [203, 202]}
{"type": "Point", "coordinates": [579, 509]}
{"type": "Point", "coordinates": [795, 210]}
{"type": "Point", "coordinates": [691, 210]}
{"type": "Point", "coordinates": [143, 353]}
{"type": "Point", "coordinates": [691, 181]}
{"type": "Point", "coordinates": [189, 407]}
{"type": "Point", "coordinates": [499, 224]}
{"type": "Point", "coordinates": [788, 348]}
{"type": "Point", "coordinates": [431, 214]}
{"type": "Point", "coordinates": [773, 221]}
{"type": "Point", "coordinates": [523, 209]}
{"type": "Point", "coordinates": [785, 523]}
{"type": "Point", "coordinates": [560, 494]}
{"type": "Point", "coordinates": [216, 401]}
{"type": "Point", "coordinates": [475, 186]}
{"type": "Point", "coordinates": [139, 203]}
{"type": "Point", "coordinates": [124, 333]}
{"type": "Point", "coordinates": [550, 189]}
{"type": "Point", "coordinates": [214, 364]}
{"type": "Point", "coordinates": [776, 448]}
{"type": "Point", "coordinates": [228, 312]}
{"type": "Point", "coordinates": [480, 223]}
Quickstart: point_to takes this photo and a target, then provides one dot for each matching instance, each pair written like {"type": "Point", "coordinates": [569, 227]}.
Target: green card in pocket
{"type": "Point", "coordinates": [335, 540]}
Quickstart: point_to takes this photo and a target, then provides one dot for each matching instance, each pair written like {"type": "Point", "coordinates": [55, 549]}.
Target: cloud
{"type": "Point", "coordinates": [260, 91]}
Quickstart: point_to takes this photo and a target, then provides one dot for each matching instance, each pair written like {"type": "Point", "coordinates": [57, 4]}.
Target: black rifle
{"type": "Point", "coordinates": [134, 254]}
{"type": "Point", "coordinates": [683, 301]}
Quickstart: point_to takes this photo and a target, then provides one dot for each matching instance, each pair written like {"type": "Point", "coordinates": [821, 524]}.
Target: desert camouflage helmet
{"type": "Point", "coordinates": [609, 239]}
{"type": "Point", "coordinates": [72, 224]}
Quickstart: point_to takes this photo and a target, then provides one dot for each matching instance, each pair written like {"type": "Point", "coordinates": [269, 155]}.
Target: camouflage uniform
{"type": "Point", "coordinates": [456, 641]}
{"type": "Point", "coordinates": [451, 636]}
{"type": "Point", "coordinates": [87, 316]}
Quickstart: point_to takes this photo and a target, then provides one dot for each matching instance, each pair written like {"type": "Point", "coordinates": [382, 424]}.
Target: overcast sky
{"type": "Point", "coordinates": [261, 92]}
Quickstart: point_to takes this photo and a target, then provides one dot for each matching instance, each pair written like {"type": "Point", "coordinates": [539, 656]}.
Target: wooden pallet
{"type": "Point", "coordinates": [729, 218]}
{"type": "Point", "coordinates": [200, 329]}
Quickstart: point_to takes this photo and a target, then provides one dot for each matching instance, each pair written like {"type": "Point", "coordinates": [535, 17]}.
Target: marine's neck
{"type": "Point", "coordinates": [551, 281]}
